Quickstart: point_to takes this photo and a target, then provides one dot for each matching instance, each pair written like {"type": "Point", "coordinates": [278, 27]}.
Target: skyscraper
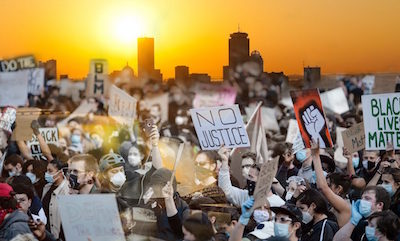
{"type": "Point", "coordinates": [239, 45]}
{"type": "Point", "coordinates": [181, 72]}
{"type": "Point", "coordinates": [145, 57]}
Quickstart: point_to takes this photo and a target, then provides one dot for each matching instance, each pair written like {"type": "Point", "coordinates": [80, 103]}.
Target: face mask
{"type": "Point", "coordinates": [281, 230]}
{"type": "Point", "coordinates": [261, 215]}
{"type": "Point", "coordinates": [179, 120]}
{"type": "Point", "coordinates": [368, 165]}
{"type": "Point", "coordinates": [307, 218]}
{"type": "Point", "coordinates": [301, 155]}
{"type": "Point", "coordinates": [118, 179]}
{"type": "Point", "coordinates": [388, 188]}
{"type": "Point", "coordinates": [75, 139]}
{"type": "Point", "coordinates": [251, 186]}
{"type": "Point", "coordinates": [370, 233]}
{"type": "Point", "coordinates": [49, 178]}
{"type": "Point", "coordinates": [288, 196]}
{"type": "Point", "coordinates": [245, 172]}
{"type": "Point", "coordinates": [356, 162]}
{"type": "Point", "coordinates": [31, 176]}
{"type": "Point", "coordinates": [12, 173]}
{"type": "Point", "coordinates": [73, 181]}
{"type": "Point", "coordinates": [365, 208]}
{"type": "Point", "coordinates": [134, 160]}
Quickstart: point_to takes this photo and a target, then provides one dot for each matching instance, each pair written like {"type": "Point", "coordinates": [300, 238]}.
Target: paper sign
{"type": "Point", "coordinates": [311, 117]}
{"type": "Point", "coordinates": [97, 81]}
{"type": "Point", "coordinates": [264, 182]}
{"type": "Point", "coordinates": [14, 88]}
{"type": "Point", "coordinates": [293, 130]}
{"type": "Point", "coordinates": [298, 143]}
{"type": "Point", "coordinates": [209, 95]}
{"type": "Point", "coordinates": [268, 117]}
{"type": "Point", "coordinates": [335, 100]}
{"type": "Point", "coordinates": [122, 106]}
{"type": "Point", "coordinates": [216, 126]}
{"type": "Point", "coordinates": [354, 138]}
{"type": "Point", "coordinates": [15, 64]}
{"type": "Point", "coordinates": [381, 114]}
{"type": "Point", "coordinates": [23, 130]}
{"type": "Point", "coordinates": [35, 81]}
{"type": "Point", "coordinates": [93, 216]}
{"type": "Point", "coordinates": [338, 155]}
{"type": "Point", "coordinates": [50, 135]}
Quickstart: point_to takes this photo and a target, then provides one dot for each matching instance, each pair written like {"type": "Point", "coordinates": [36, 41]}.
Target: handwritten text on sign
{"type": "Point", "coordinates": [381, 120]}
{"type": "Point", "coordinates": [122, 106]}
{"type": "Point", "coordinates": [216, 126]}
{"type": "Point", "coordinates": [354, 138]}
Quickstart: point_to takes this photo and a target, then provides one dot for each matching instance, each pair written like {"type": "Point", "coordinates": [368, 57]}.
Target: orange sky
{"type": "Point", "coordinates": [342, 36]}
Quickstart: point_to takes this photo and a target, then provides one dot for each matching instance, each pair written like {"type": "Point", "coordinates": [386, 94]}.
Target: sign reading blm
{"type": "Point", "coordinates": [381, 120]}
{"type": "Point", "coordinates": [217, 126]}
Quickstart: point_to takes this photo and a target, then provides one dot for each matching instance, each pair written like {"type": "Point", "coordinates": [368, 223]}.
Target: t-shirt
{"type": "Point", "coordinates": [359, 230]}
{"type": "Point", "coordinates": [328, 227]}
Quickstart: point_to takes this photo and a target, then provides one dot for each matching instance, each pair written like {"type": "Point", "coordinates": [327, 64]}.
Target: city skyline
{"type": "Point", "coordinates": [341, 37]}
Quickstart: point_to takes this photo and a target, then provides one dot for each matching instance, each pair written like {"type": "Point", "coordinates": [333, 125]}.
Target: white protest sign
{"type": "Point", "coordinates": [35, 81]}
{"type": "Point", "coordinates": [208, 95]}
{"type": "Point", "coordinates": [15, 64]}
{"type": "Point", "coordinates": [97, 81]}
{"type": "Point", "coordinates": [50, 135]}
{"type": "Point", "coordinates": [93, 216]}
{"type": "Point", "coordinates": [216, 126]}
{"type": "Point", "coordinates": [298, 143]}
{"type": "Point", "coordinates": [335, 100]}
{"type": "Point", "coordinates": [268, 117]}
{"type": "Point", "coordinates": [381, 114]}
{"type": "Point", "coordinates": [354, 138]}
{"type": "Point", "coordinates": [122, 106]}
{"type": "Point", "coordinates": [338, 155]}
{"type": "Point", "coordinates": [14, 88]}
{"type": "Point", "coordinates": [292, 132]}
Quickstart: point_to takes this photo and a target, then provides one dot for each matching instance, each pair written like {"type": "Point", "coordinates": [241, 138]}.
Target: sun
{"type": "Point", "coordinates": [127, 29]}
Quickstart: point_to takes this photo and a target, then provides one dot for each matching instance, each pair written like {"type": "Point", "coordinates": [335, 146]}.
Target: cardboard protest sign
{"type": "Point", "coordinates": [50, 135]}
{"type": "Point", "coordinates": [335, 100]}
{"type": "Point", "coordinates": [311, 117]}
{"type": "Point", "coordinates": [97, 81]}
{"type": "Point", "coordinates": [354, 138]}
{"type": "Point", "coordinates": [10, 82]}
{"type": "Point", "coordinates": [217, 126]}
{"type": "Point", "coordinates": [15, 64]}
{"type": "Point", "coordinates": [35, 81]}
{"type": "Point", "coordinates": [159, 102]}
{"type": "Point", "coordinates": [209, 95]}
{"type": "Point", "coordinates": [264, 181]}
{"type": "Point", "coordinates": [23, 130]}
{"type": "Point", "coordinates": [93, 216]}
{"type": "Point", "coordinates": [268, 117]}
{"type": "Point", "coordinates": [122, 106]}
{"type": "Point", "coordinates": [381, 114]}
{"type": "Point", "coordinates": [292, 131]}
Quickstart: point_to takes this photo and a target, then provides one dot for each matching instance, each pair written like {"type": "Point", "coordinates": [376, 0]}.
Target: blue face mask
{"type": "Point", "coordinates": [388, 188]}
{"type": "Point", "coordinates": [365, 208]}
{"type": "Point", "coordinates": [301, 155]}
{"type": "Point", "coordinates": [370, 233]}
{"type": "Point", "coordinates": [76, 139]}
{"type": "Point", "coordinates": [49, 178]}
{"type": "Point", "coordinates": [281, 230]}
{"type": "Point", "coordinates": [31, 176]}
{"type": "Point", "coordinates": [356, 162]}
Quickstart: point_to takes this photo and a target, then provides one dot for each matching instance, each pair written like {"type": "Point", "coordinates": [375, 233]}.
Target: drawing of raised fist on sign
{"type": "Point", "coordinates": [314, 121]}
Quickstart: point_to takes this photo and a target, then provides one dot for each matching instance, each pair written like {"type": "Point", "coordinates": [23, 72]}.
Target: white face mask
{"type": "Point", "coordinates": [261, 215]}
{"type": "Point", "coordinates": [118, 179]}
{"type": "Point", "coordinates": [307, 218]}
{"type": "Point", "coordinates": [288, 196]}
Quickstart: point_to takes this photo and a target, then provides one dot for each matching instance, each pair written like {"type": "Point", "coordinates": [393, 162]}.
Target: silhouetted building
{"type": "Point", "coordinates": [145, 57]}
{"type": "Point", "coordinates": [256, 57]}
{"type": "Point", "coordinates": [226, 72]}
{"type": "Point", "coordinates": [312, 74]}
{"type": "Point", "coordinates": [239, 45]}
{"type": "Point", "coordinates": [156, 75]}
{"type": "Point", "coordinates": [181, 72]}
{"type": "Point", "coordinates": [63, 76]}
{"type": "Point", "coordinates": [50, 69]}
{"type": "Point", "coordinates": [199, 77]}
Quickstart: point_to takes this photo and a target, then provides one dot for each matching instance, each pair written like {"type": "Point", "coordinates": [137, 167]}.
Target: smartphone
{"type": "Point", "coordinates": [148, 125]}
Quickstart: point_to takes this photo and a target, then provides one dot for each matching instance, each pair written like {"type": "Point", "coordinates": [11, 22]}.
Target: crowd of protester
{"type": "Point", "coordinates": [312, 197]}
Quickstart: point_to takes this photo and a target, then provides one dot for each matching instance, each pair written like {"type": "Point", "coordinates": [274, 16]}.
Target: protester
{"type": "Point", "coordinates": [82, 171]}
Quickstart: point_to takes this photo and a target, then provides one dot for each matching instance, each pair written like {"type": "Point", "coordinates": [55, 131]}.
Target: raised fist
{"type": "Point", "coordinates": [314, 122]}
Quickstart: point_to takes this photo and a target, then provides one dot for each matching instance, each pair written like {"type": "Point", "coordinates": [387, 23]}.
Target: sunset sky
{"type": "Point", "coordinates": [342, 36]}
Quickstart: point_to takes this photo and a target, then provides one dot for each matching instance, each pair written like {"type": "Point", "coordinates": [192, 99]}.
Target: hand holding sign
{"type": "Point", "coordinates": [314, 122]}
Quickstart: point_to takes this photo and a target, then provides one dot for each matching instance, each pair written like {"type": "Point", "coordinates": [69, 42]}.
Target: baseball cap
{"type": "Point", "coordinates": [264, 230]}
{"type": "Point", "coordinates": [291, 210]}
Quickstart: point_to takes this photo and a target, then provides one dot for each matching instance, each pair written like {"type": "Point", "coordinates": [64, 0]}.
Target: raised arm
{"type": "Point", "coordinates": [24, 149]}
{"type": "Point", "coordinates": [238, 230]}
{"type": "Point", "coordinates": [378, 173]}
{"type": "Point", "coordinates": [155, 151]}
{"type": "Point", "coordinates": [43, 145]}
{"type": "Point", "coordinates": [335, 200]}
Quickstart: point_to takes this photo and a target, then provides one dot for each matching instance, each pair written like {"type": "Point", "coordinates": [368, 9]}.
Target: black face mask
{"type": "Point", "coordinates": [371, 165]}
{"type": "Point", "coordinates": [251, 186]}
{"type": "Point", "coordinates": [73, 181]}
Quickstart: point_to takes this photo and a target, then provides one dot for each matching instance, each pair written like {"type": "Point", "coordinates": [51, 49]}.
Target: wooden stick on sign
{"type": "Point", "coordinates": [178, 158]}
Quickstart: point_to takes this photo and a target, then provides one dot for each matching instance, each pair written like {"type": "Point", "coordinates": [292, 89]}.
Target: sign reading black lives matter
{"type": "Point", "coordinates": [381, 115]}
{"type": "Point", "coordinates": [221, 125]}
{"type": "Point", "coordinates": [50, 135]}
